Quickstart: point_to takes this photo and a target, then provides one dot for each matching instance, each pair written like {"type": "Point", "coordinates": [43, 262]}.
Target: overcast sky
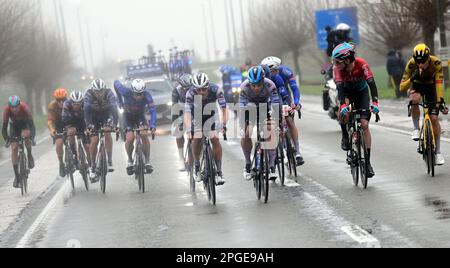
{"type": "Point", "coordinates": [127, 26]}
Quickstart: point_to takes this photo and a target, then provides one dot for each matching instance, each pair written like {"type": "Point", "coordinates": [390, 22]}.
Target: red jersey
{"type": "Point", "coordinates": [23, 114]}
{"type": "Point", "coordinates": [356, 79]}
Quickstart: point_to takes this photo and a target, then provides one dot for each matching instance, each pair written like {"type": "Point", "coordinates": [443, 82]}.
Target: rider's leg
{"type": "Point", "coordinates": [247, 145]}
{"type": "Point", "coordinates": [217, 151]}
{"type": "Point", "coordinates": [109, 146]}
{"type": "Point", "coordinates": [294, 133]}
{"type": "Point", "coordinates": [129, 145]}
{"type": "Point", "coordinates": [437, 132]}
{"type": "Point", "coordinates": [93, 150]}
{"type": "Point", "coordinates": [196, 150]}
{"type": "Point", "coordinates": [26, 133]}
{"type": "Point", "coordinates": [415, 111]}
{"type": "Point", "coordinates": [15, 158]}
{"type": "Point", "coordinates": [180, 146]}
{"type": "Point", "coordinates": [367, 135]}
{"type": "Point", "coordinates": [146, 145]}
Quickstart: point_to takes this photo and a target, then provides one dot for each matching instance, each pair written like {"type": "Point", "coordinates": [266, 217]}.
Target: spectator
{"type": "Point", "coordinates": [395, 66]}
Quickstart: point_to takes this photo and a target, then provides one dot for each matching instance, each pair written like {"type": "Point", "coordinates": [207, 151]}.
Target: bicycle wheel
{"type": "Point", "coordinates": [212, 177]}
{"type": "Point", "coordinates": [363, 159]}
{"type": "Point", "coordinates": [103, 168]}
{"type": "Point", "coordinates": [22, 174]}
{"type": "Point", "coordinates": [280, 162]}
{"type": "Point", "coordinates": [204, 171]}
{"type": "Point", "coordinates": [430, 150]}
{"type": "Point", "coordinates": [140, 169]}
{"type": "Point", "coordinates": [288, 155]}
{"type": "Point", "coordinates": [191, 170]}
{"type": "Point", "coordinates": [353, 160]}
{"type": "Point", "coordinates": [69, 166]}
{"type": "Point", "coordinates": [265, 176]}
{"type": "Point", "coordinates": [257, 169]}
{"type": "Point", "coordinates": [83, 166]}
{"type": "Point", "coordinates": [291, 157]}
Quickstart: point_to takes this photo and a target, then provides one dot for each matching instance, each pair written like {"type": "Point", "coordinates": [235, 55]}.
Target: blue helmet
{"type": "Point", "coordinates": [256, 75]}
{"type": "Point", "coordinates": [14, 101]}
{"type": "Point", "coordinates": [343, 51]}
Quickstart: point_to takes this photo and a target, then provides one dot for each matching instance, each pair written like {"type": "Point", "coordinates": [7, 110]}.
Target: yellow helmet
{"type": "Point", "coordinates": [421, 53]}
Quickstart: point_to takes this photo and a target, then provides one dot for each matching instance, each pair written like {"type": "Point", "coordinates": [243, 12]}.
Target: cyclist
{"type": "Point", "coordinates": [353, 78]}
{"type": "Point", "coordinates": [288, 78]}
{"type": "Point", "coordinates": [179, 100]}
{"type": "Point", "coordinates": [257, 90]}
{"type": "Point", "coordinates": [424, 77]}
{"type": "Point", "coordinates": [56, 125]}
{"type": "Point", "coordinates": [100, 111]}
{"type": "Point", "coordinates": [74, 123]}
{"type": "Point", "coordinates": [201, 102]}
{"type": "Point", "coordinates": [18, 116]}
{"type": "Point", "coordinates": [342, 34]}
{"type": "Point", "coordinates": [137, 103]}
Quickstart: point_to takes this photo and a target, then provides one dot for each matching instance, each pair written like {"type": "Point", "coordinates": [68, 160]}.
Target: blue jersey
{"type": "Point", "coordinates": [107, 106]}
{"type": "Point", "coordinates": [279, 83]}
{"type": "Point", "coordinates": [215, 94]}
{"type": "Point", "coordinates": [135, 107]}
{"type": "Point", "coordinates": [71, 117]}
{"type": "Point", "coordinates": [289, 79]}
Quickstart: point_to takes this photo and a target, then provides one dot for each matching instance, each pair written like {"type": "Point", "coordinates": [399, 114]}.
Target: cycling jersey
{"type": "Point", "coordinates": [433, 76]}
{"type": "Point", "coordinates": [268, 94]}
{"type": "Point", "coordinates": [100, 109]}
{"type": "Point", "coordinates": [55, 122]}
{"type": "Point", "coordinates": [289, 79]}
{"type": "Point", "coordinates": [215, 94]}
{"type": "Point", "coordinates": [72, 117]}
{"type": "Point", "coordinates": [178, 97]}
{"type": "Point", "coordinates": [18, 121]}
{"type": "Point", "coordinates": [281, 87]}
{"type": "Point", "coordinates": [136, 108]}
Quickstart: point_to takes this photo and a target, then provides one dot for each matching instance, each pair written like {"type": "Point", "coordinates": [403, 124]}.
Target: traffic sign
{"type": "Point", "coordinates": [331, 18]}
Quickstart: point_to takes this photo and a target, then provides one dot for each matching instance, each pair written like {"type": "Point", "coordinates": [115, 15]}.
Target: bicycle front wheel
{"type": "Point", "coordinates": [103, 169]}
{"type": "Point", "coordinates": [212, 177]}
{"type": "Point", "coordinates": [363, 159]}
{"type": "Point", "coordinates": [280, 163]}
{"type": "Point", "coordinates": [23, 174]}
{"type": "Point", "coordinates": [429, 149]}
{"type": "Point", "coordinates": [140, 170]}
{"type": "Point", "coordinates": [257, 169]}
{"type": "Point", "coordinates": [83, 166]}
{"type": "Point", "coordinates": [265, 177]}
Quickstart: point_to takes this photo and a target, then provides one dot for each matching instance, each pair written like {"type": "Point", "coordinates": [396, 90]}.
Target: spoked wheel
{"type": "Point", "coordinates": [23, 174]}
{"type": "Point", "coordinates": [291, 157]}
{"type": "Point", "coordinates": [69, 165]}
{"type": "Point", "coordinates": [257, 169]}
{"type": "Point", "coordinates": [203, 172]}
{"type": "Point", "coordinates": [430, 156]}
{"type": "Point", "coordinates": [140, 176]}
{"type": "Point", "coordinates": [363, 159]}
{"type": "Point", "coordinates": [103, 169]}
{"type": "Point", "coordinates": [353, 162]}
{"type": "Point", "coordinates": [212, 177]}
{"type": "Point", "coordinates": [191, 171]}
{"type": "Point", "coordinates": [280, 163]}
{"type": "Point", "coordinates": [83, 167]}
{"type": "Point", "coordinates": [265, 176]}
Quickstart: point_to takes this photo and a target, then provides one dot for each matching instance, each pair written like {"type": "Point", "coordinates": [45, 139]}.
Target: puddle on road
{"type": "Point", "coordinates": [441, 207]}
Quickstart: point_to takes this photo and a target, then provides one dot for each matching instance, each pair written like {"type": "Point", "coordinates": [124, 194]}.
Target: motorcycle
{"type": "Point", "coordinates": [330, 96]}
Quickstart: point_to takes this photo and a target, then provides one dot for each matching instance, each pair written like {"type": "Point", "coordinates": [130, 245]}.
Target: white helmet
{"type": "Point", "coordinates": [138, 86]}
{"type": "Point", "coordinates": [77, 96]}
{"type": "Point", "coordinates": [200, 80]}
{"type": "Point", "coordinates": [98, 85]}
{"type": "Point", "coordinates": [273, 63]}
{"type": "Point", "coordinates": [343, 27]}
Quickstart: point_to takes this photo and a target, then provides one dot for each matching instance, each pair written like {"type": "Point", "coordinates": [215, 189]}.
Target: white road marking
{"type": "Point", "coordinates": [361, 236]}
{"type": "Point", "coordinates": [63, 193]}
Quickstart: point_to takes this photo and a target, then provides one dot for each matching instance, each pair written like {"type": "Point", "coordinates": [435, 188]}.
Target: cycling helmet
{"type": "Point", "coordinates": [256, 75]}
{"type": "Point", "coordinates": [266, 71]}
{"type": "Point", "coordinates": [185, 80]}
{"type": "Point", "coordinates": [273, 63]}
{"type": "Point", "coordinates": [200, 80]}
{"type": "Point", "coordinates": [421, 53]}
{"type": "Point", "coordinates": [98, 85]}
{"type": "Point", "coordinates": [343, 27]}
{"type": "Point", "coordinates": [77, 97]}
{"type": "Point", "coordinates": [138, 86]}
{"type": "Point", "coordinates": [344, 51]}
{"type": "Point", "coordinates": [14, 101]}
{"type": "Point", "coordinates": [60, 94]}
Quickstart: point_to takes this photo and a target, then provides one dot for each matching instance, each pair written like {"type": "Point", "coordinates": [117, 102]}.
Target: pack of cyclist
{"type": "Point", "coordinates": [204, 111]}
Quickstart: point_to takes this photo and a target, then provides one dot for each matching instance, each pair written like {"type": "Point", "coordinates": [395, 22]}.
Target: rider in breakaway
{"type": "Point", "coordinates": [424, 77]}
{"type": "Point", "coordinates": [288, 77]}
{"type": "Point", "coordinates": [179, 101]}
{"type": "Point", "coordinates": [201, 101]}
{"type": "Point", "coordinates": [18, 116]}
{"type": "Point", "coordinates": [259, 91]}
{"type": "Point", "coordinates": [56, 125]}
{"type": "Point", "coordinates": [74, 123]}
{"type": "Point", "coordinates": [137, 103]}
{"type": "Point", "coordinates": [353, 78]}
{"type": "Point", "coordinates": [100, 111]}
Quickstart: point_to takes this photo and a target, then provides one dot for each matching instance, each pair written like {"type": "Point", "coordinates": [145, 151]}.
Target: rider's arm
{"type": "Point", "coordinates": [113, 108]}
{"type": "Point", "coordinates": [87, 109]}
{"type": "Point", "coordinates": [282, 90]}
{"type": "Point", "coordinates": [188, 110]}
{"type": "Point", "coordinates": [152, 110]}
{"type": "Point", "coordinates": [405, 84]}
{"type": "Point", "coordinates": [66, 114]}
{"type": "Point", "coordinates": [30, 121]}
{"type": "Point", "coordinates": [121, 89]}
{"type": "Point", "coordinates": [175, 101]}
{"type": "Point", "coordinates": [439, 80]}
{"type": "Point", "coordinates": [293, 84]}
{"type": "Point", "coordinates": [5, 123]}
{"type": "Point", "coordinates": [373, 89]}
{"type": "Point", "coordinates": [223, 105]}
{"type": "Point", "coordinates": [51, 118]}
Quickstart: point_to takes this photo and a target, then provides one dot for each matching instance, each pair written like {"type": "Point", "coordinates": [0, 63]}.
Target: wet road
{"type": "Point", "coordinates": [403, 207]}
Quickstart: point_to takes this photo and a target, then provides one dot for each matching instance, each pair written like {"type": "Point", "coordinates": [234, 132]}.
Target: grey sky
{"type": "Point", "coordinates": [129, 25]}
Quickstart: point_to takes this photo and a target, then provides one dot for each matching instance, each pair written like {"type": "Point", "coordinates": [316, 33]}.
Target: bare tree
{"type": "Point", "coordinates": [385, 28]}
